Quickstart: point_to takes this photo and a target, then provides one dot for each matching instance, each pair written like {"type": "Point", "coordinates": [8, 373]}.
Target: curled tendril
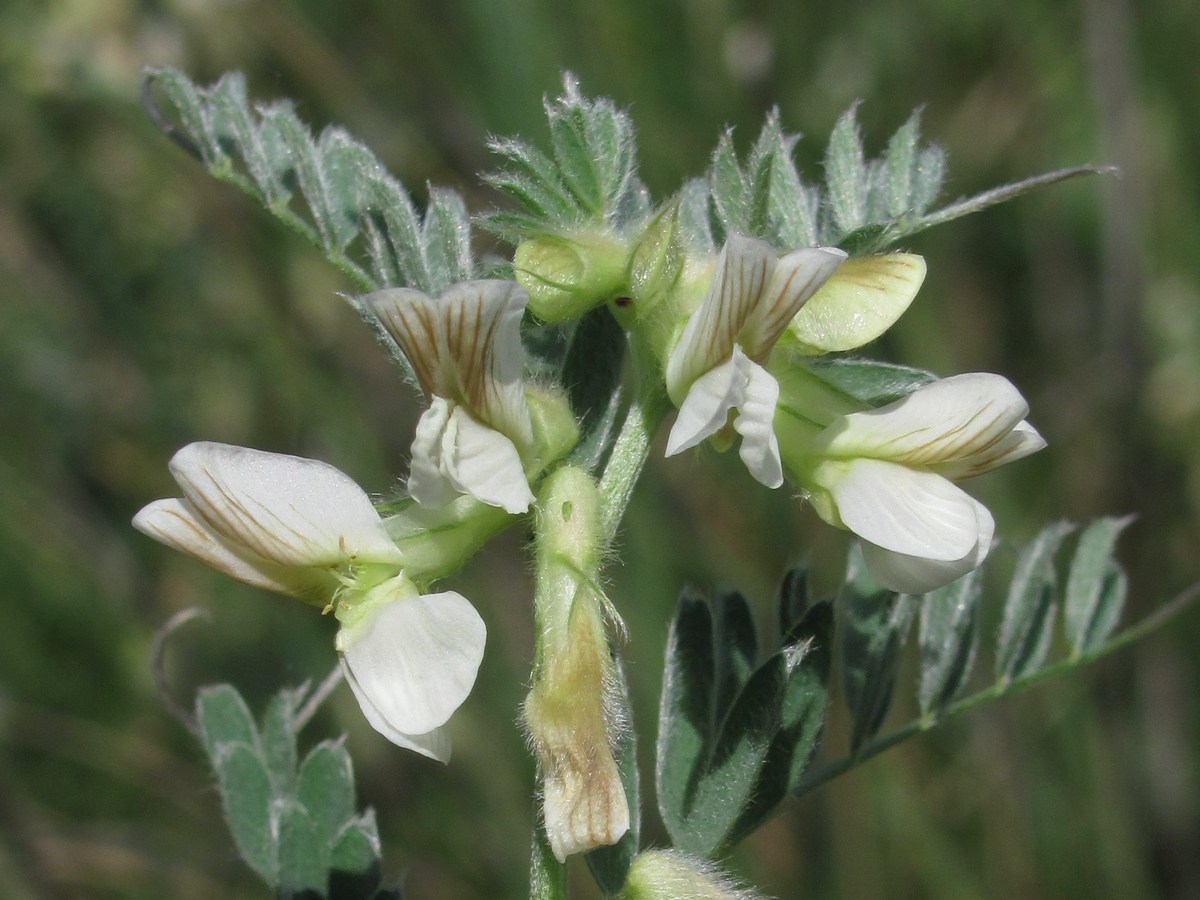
{"type": "Point", "coordinates": [158, 665]}
{"type": "Point", "coordinates": [158, 652]}
{"type": "Point", "coordinates": [159, 118]}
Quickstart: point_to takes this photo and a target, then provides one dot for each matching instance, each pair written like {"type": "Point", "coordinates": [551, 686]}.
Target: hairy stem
{"type": "Point", "coordinates": [628, 456]}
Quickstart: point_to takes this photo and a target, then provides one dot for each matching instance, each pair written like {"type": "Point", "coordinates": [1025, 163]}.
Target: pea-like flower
{"type": "Point", "coordinates": [718, 364]}
{"type": "Point", "coordinates": [477, 436]}
{"type": "Point", "coordinates": [303, 528]}
{"type": "Point", "coordinates": [888, 475]}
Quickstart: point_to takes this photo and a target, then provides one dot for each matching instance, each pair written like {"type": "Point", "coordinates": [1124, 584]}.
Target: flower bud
{"type": "Point", "coordinates": [569, 710]}
{"type": "Point", "coordinates": [669, 875]}
{"type": "Point", "coordinates": [555, 430]}
{"type": "Point", "coordinates": [656, 262]}
{"type": "Point", "coordinates": [567, 276]}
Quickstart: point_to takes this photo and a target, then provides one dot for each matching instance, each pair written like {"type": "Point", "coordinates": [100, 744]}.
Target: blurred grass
{"type": "Point", "coordinates": [143, 305]}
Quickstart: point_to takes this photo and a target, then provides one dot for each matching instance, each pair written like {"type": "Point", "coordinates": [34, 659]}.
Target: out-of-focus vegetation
{"type": "Point", "coordinates": [144, 305]}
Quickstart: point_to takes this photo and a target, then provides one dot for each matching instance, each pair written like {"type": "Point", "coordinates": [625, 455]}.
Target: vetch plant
{"type": "Point", "coordinates": [732, 312]}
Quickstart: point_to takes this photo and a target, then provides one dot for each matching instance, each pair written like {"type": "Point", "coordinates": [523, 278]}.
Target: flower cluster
{"type": "Point", "coordinates": [731, 339]}
{"type": "Point", "coordinates": [885, 474]}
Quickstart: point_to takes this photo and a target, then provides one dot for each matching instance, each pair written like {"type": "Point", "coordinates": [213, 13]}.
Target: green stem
{"type": "Point", "coordinates": [547, 876]}
{"type": "Point", "coordinates": [628, 456]}
{"type": "Point", "coordinates": [285, 215]}
{"type": "Point", "coordinates": [1002, 688]}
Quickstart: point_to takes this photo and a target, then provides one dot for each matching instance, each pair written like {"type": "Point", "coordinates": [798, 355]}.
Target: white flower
{"type": "Point", "coordinates": [717, 365]}
{"type": "Point", "coordinates": [303, 528]}
{"type": "Point", "coordinates": [411, 661]}
{"type": "Point", "coordinates": [465, 347]}
{"type": "Point", "coordinates": [887, 475]}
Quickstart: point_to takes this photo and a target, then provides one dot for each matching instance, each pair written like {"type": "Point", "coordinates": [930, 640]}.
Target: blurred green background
{"type": "Point", "coordinates": [144, 305]}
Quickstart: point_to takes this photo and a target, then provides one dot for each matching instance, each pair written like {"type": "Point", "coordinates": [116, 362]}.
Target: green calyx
{"type": "Point", "coordinates": [436, 541]}
{"type": "Point", "coordinates": [807, 405]}
{"type": "Point", "coordinates": [555, 429]}
{"type": "Point", "coordinates": [566, 275]}
{"type": "Point", "coordinates": [568, 525]}
{"type": "Point", "coordinates": [367, 590]}
{"type": "Point", "coordinates": [656, 262]}
{"type": "Point", "coordinates": [669, 875]}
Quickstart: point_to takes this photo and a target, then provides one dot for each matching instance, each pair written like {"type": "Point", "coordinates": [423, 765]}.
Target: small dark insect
{"type": "Point", "coordinates": [623, 302]}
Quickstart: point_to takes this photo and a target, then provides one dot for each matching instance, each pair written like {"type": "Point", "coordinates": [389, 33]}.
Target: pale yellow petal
{"type": "Point", "coordinates": [859, 302]}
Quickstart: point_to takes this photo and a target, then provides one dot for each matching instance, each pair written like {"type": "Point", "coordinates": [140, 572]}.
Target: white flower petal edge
{"type": "Point", "coordinates": [861, 301]}
{"type": "Point", "coordinates": [1017, 444]}
{"type": "Point", "coordinates": [750, 301]}
{"type": "Point", "coordinates": [427, 480]}
{"type": "Point", "coordinates": [796, 278]}
{"type": "Point", "coordinates": [887, 476]}
{"type": "Point", "coordinates": [434, 744]}
{"type": "Point", "coordinates": [905, 510]}
{"type": "Point", "coordinates": [584, 804]}
{"type": "Point", "coordinates": [716, 366]}
{"type": "Point", "coordinates": [176, 523]}
{"type": "Point", "coordinates": [956, 418]}
{"type": "Point", "coordinates": [485, 464]}
{"type": "Point", "coordinates": [411, 662]}
{"type": "Point", "coordinates": [755, 422]}
{"type": "Point", "coordinates": [285, 509]}
{"type": "Point", "coordinates": [454, 454]}
{"type": "Point", "coordinates": [916, 575]}
{"type": "Point", "coordinates": [744, 385]}
{"type": "Point", "coordinates": [705, 409]}
{"type": "Point", "coordinates": [711, 331]}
